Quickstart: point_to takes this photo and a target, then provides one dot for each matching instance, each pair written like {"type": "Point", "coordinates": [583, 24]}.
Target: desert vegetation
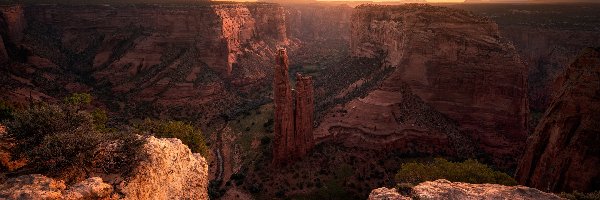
{"type": "Point", "coordinates": [469, 171]}
{"type": "Point", "coordinates": [63, 140]}
{"type": "Point", "coordinates": [188, 134]}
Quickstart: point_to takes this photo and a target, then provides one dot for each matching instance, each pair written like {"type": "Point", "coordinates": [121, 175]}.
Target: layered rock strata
{"type": "Point", "coordinates": [563, 154]}
{"type": "Point", "coordinates": [456, 62]}
{"type": "Point", "coordinates": [293, 120]}
{"type": "Point", "coordinates": [443, 189]}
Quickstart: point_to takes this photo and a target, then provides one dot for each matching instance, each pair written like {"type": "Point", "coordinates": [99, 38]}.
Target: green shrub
{"type": "Point", "coordinates": [61, 142]}
{"type": "Point", "coordinates": [6, 111]}
{"type": "Point", "coordinates": [190, 136]}
{"type": "Point", "coordinates": [78, 99]}
{"type": "Point", "coordinates": [469, 171]}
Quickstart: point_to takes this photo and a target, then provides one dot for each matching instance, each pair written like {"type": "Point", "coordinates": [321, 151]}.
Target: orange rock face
{"type": "Point", "coordinates": [563, 153]}
{"type": "Point", "coordinates": [293, 121]}
{"type": "Point", "coordinates": [457, 63]}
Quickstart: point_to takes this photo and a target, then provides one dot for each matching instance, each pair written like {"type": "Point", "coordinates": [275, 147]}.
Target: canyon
{"type": "Point", "coordinates": [364, 89]}
{"type": "Point", "coordinates": [145, 60]}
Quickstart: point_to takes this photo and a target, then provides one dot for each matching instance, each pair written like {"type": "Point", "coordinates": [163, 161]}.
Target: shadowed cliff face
{"type": "Point", "coordinates": [457, 63]}
{"type": "Point", "coordinates": [149, 59]}
{"type": "Point", "coordinates": [563, 153]}
{"type": "Point", "coordinates": [548, 38]}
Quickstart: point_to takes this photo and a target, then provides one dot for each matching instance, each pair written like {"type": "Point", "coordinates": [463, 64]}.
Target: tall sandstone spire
{"type": "Point", "coordinates": [292, 122]}
{"type": "Point", "coordinates": [304, 114]}
{"type": "Point", "coordinates": [284, 113]}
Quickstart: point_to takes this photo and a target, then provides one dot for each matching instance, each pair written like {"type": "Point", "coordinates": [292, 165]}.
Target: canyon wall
{"type": "Point", "coordinates": [562, 154]}
{"type": "Point", "coordinates": [293, 120]}
{"type": "Point", "coordinates": [547, 52]}
{"type": "Point", "coordinates": [314, 22]}
{"type": "Point", "coordinates": [13, 17]}
{"type": "Point", "coordinates": [149, 60]}
{"type": "Point", "coordinates": [456, 62]}
{"type": "Point", "coordinates": [12, 24]}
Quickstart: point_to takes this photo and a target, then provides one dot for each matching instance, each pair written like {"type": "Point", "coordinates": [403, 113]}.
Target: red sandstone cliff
{"type": "Point", "coordinates": [182, 61]}
{"type": "Point", "coordinates": [455, 62]}
{"type": "Point", "coordinates": [563, 153]}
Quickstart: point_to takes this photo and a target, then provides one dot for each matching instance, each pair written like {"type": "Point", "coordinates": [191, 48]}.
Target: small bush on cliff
{"type": "Point", "coordinates": [469, 171]}
{"type": "Point", "coordinates": [6, 111]}
{"type": "Point", "coordinates": [63, 141]}
{"type": "Point", "coordinates": [188, 134]}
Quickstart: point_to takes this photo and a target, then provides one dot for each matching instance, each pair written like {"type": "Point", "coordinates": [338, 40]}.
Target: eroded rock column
{"type": "Point", "coordinates": [304, 114]}
{"type": "Point", "coordinates": [284, 115]}
{"type": "Point", "coordinates": [292, 121]}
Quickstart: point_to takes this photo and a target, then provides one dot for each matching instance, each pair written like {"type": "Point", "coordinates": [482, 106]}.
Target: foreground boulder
{"type": "Point", "coordinates": [169, 171]}
{"type": "Point", "coordinates": [443, 189]}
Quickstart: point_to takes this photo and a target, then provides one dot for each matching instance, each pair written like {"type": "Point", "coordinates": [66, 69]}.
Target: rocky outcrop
{"type": "Point", "coordinates": [443, 189]}
{"type": "Point", "coordinates": [41, 187]}
{"type": "Point", "coordinates": [457, 63]}
{"type": "Point", "coordinates": [168, 171]}
{"type": "Point", "coordinates": [292, 121]}
{"type": "Point", "coordinates": [304, 114]}
{"type": "Point", "coordinates": [563, 154]}
{"type": "Point", "coordinates": [386, 194]}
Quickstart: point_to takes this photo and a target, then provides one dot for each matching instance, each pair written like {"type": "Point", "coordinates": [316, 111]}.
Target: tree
{"type": "Point", "coordinates": [188, 134]}
{"type": "Point", "coordinates": [63, 142]}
